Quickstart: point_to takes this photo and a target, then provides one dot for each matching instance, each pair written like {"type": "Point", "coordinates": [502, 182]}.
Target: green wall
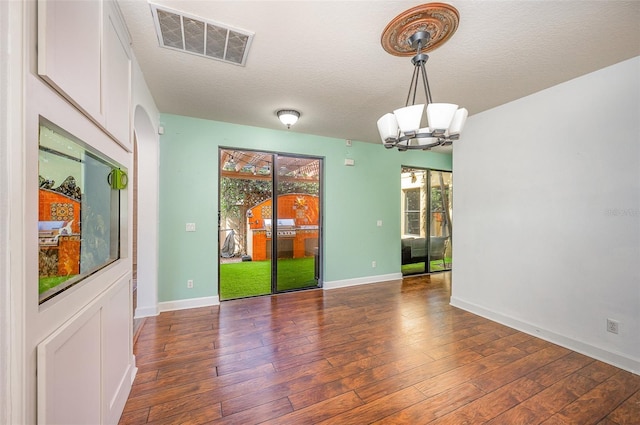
{"type": "Point", "coordinates": [355, 198]}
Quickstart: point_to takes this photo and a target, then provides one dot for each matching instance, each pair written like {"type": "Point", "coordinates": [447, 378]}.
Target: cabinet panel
{"type": "Point", "coordinates": [116, 353]}
{"type": "Point", "coordinates": [117, 76]}
{"type": "Point", "coordinates": [85, 367]}
{"type": "Point", "coordinates": [84, 53]}
{"type": "Point", "coordinates": [69, 373]}
{"type": "Point", "coordinates": [69, 50]}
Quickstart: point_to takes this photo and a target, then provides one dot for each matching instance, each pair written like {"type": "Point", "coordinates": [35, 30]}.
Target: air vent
{"type": "Point", "coordinates": [191, 34]}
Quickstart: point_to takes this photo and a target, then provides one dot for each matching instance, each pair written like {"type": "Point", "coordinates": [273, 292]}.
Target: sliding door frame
{"type": "Point", "coordinates": [318, 270]}
{"type": "Point", "coordinates": [428, 187]}
{"type": "Point", "coordinates": [274, 240]}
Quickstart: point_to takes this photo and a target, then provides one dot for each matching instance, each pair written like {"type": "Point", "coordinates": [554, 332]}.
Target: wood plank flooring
{"type": "Point", "coordinates": [387, 353]}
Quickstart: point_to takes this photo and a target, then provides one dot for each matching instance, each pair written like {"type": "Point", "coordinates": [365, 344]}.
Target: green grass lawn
{"type": "Point", "coordinates": [436, 265]}
{"type": "Point", "coordinates": [46, 283]}
{"type": "Point", "coordinates": [251, 278]}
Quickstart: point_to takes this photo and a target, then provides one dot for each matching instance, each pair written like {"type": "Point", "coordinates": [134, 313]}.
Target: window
{"type": "Point", "coordinates": [412, 212]}
{"type": "Point", "coordinates": [79, 211]}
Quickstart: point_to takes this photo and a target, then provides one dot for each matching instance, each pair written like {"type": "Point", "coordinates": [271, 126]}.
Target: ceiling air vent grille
{"type": "Point", "coordinates": [179, 31]}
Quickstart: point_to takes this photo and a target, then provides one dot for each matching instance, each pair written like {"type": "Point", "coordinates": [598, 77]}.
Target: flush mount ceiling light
{"type": "Point", "coordinates": [288, 117]}
{"type": "Point", "coordinates": [415, 32]}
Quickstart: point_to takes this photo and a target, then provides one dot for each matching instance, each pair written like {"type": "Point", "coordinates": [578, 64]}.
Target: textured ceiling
{"type": "Point", "coordinates": [324, 58]}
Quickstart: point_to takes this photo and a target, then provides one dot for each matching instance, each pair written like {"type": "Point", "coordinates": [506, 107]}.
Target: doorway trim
{"type": "Point", "coordinates": [147, 143]}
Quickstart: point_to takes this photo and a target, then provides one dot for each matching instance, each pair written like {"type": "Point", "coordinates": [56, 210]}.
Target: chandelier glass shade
{"type": "Point", "coordinates": [403, 128]}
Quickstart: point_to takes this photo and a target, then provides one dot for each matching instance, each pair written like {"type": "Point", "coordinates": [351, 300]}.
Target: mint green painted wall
{"type": "Point", "coordinates": [354, 199]}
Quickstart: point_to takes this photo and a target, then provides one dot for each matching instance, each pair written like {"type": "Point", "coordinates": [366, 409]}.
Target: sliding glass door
{"type": "Point", "coordinates": [440, 225]}
{"type": "Point", "coordinates": [426, 220]}
{"type": "Point", "coordinates": [298, 219]}
{"type": "Point", "coordinates": [269, 209]}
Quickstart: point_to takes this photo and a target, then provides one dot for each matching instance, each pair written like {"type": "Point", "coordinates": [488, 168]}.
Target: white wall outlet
{"type": "Point", "coordinates": [379, 223]}
{"type": "Point", "coordinates": [373, 264]}
{"type": "Point", "coordinates": [191, 227]}
{"type": "Point", "coordinates": [612, 326]}
{"type": "Point", "coordinates": [348, 143]}
{"type": "Point", "coordinates": [189, 283]}
{"type": "Point", "coordinates": [349, 161]}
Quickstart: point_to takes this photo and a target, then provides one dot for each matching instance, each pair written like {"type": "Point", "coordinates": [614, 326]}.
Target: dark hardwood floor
{"type": "Point", "coordinates": [387, 353]}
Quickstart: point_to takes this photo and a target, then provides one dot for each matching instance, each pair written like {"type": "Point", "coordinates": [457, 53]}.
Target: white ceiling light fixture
{"type": "Point", "coordinates": [415, 32]}
{"type": "Point", "coordinates": [288, 117]}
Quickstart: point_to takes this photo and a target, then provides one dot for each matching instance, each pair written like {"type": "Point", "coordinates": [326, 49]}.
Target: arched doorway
{"type": "Point", "coordinates": [145, 232]}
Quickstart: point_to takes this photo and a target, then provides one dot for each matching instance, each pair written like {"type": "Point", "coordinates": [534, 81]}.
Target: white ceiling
{"type": "Point", "coordinates": [324, 58]}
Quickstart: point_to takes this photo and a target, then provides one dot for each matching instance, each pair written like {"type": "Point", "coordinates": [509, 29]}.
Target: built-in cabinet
{"type": "Point", "coordinates": [79, 361]}
{"type": "Point", "coordinates": [84, 53]}
{"type": "Point", "coordinates": [72, 384]}
{"type": "Point", "coordinates": [116, 71]}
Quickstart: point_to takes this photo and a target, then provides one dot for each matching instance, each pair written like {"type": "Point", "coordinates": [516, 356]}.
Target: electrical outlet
{"type": "Point", "coordinates": [190, 227]}
{"type": "Point", "coordinates": [189, 283]}
{"type": "Point", "coordinates": [373, 264]}
{"type": "Point", "coordinates": [612, 326]}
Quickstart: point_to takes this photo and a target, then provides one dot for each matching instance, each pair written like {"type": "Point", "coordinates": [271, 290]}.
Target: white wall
{"type": "Point", "coordinates": [5, 293]}
{"type": "Point", "coordinates": [12, 394]}
{"type": "Point", "coordinates": [547, 214]}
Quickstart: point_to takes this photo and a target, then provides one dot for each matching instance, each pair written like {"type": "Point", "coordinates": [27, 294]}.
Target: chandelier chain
{"type": "Point", "coordinates": [425, 80]}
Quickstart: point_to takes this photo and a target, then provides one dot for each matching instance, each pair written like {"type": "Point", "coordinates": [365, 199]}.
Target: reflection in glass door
{"type": "Point", "coordinates": [440, 225]}
{"type": "Point", "coordinates": [268, 203]}
{"type": "Point", "coordinates": [426, 220]}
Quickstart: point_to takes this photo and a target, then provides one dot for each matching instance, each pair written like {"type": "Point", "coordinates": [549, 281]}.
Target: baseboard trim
{"type": "Point", "coordinates": [616, 359]}
{"type": "Point", "coordinates": [361, 281]}
{"type": "Point", "coordinates": [142, 312]}
{"type": "Point", "coordinates": [188, 303]}
{"type": "Point", "coordinates": [113, 410]}
{"type": "Point", "coordinates": [134, 368]}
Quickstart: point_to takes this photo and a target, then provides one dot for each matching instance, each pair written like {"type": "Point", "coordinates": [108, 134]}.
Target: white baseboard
{"type": "Point", "coordinates": [146, 312]}
{"type": "Point", "coordinates": [188, 303]}
{"type": "Point", "coordinates": [113, 410]}
{"type": "Point", "coordinates": [134, 368]}
{"type": "Point", "coordinates": [616, 359]}
{"type": "Point", "coordinates": [361, 281]}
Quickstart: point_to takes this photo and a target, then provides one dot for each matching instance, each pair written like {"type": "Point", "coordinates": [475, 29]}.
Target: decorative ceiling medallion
{"type": "Point", "coordinates": [440, 20]}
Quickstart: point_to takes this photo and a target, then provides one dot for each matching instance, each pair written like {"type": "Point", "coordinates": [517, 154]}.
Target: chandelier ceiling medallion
{"type": "Point", "coordinates": [415, 32]}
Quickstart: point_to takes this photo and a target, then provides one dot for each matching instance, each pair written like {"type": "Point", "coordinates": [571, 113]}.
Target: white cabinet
{"type": "Point", "coordinates": [85, 367]}
{"type": "Point", "coordinates": [84, 54]}
{"type": "Point", "coordinates": [69, 37]}
{"type": "Point", "coordinates": [116, 69]}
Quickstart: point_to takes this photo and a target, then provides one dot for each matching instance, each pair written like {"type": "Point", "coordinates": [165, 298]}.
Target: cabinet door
{"type": "Point", "coordinates": [117, 76]}
{"type": "Point", "coordinates": [69, 50]}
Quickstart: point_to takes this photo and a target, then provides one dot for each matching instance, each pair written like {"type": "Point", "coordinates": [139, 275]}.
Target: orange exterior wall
{"type": "Point", "coordinates": [300, 207]}
{"type": "Point", "coordinates": [68, 246]}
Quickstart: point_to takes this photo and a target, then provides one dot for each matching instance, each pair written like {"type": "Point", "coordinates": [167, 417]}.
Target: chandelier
{"type": "Point", "coordinates": [415, 32]}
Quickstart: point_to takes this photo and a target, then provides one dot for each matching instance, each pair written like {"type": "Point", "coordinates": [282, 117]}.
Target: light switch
{"type": "Point", "coordinates": [379, 223]}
